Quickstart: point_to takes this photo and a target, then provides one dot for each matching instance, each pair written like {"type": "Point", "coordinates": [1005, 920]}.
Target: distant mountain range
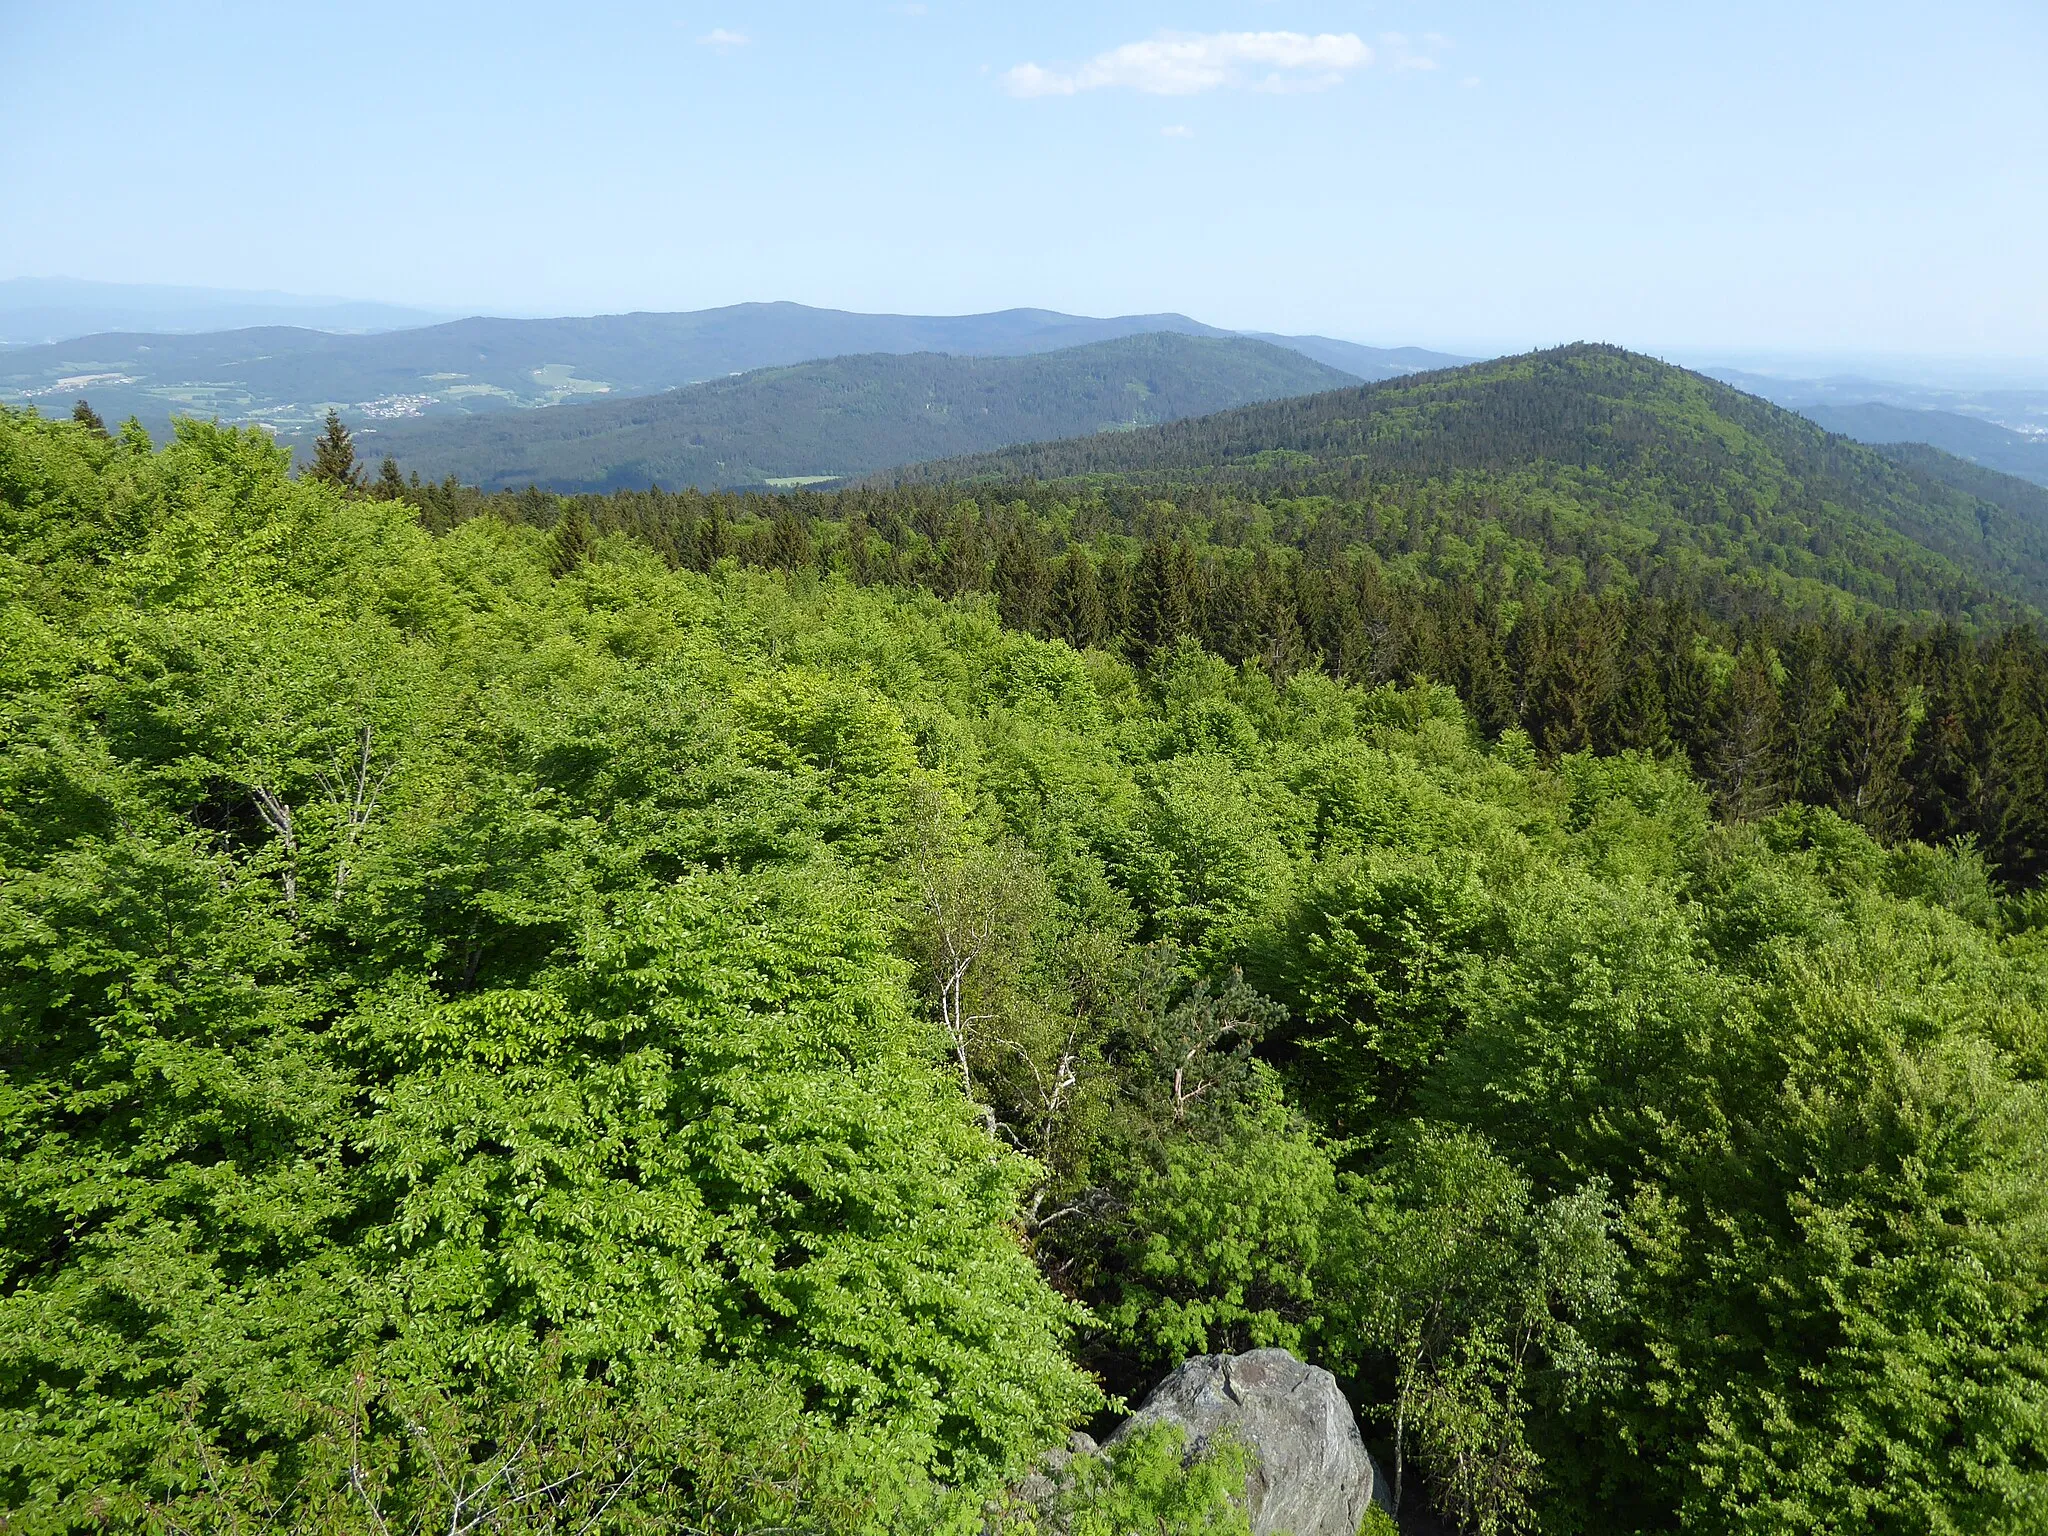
{"type": "Point", "coordinates": [287, 378]}
{"type": "Point", "coordinates": [1967, 437]}
{"type": "Point", "coordinates": [848, 416]}
{"type": "Point", "coordinates": [47, 309]}
{"type": "Point", "coordinates": [1943, 415]}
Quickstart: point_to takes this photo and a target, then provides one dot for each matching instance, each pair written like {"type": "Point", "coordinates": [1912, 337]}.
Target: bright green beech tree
{"type": "Point", "coordinates": [423, 971]}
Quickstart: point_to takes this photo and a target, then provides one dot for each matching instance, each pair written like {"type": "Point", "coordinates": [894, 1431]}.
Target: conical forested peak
{"type": "Point", "coordinates": [1648, 453]}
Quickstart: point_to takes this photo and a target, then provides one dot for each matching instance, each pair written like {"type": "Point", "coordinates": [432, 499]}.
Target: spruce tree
{"type": "Point", "coordinates": [1872, 740]}
{"type": "Point", "coordinates": [88, 418]}
{"type": "Point", "coordinates": [390, 483]}
{"type": "Point", "coordinates": [1021, 579]}
{"type": "Point", "coordinates": [857, 540]}
{"type": "Point", "coordinates": [334, 456]}
{"type": "Point", "coordinates": [1641, 722]}
{"type": "Point", "coordinates": [1115, 575]}
{"type": "Point", "coordinates": [2019, 774]}
{"type": "Point", "coordinates": [1161, 612]}
{"type": "Point", "coordinates": [789, 541]}
{"type": "Point", "coordinates": [1239, 614]}
{"type": "Point", "coordinates": [960, 567]}
{"type": "Point", "coordinates": [1810, 698]}
{"type": "Point", "coordinates": [1286, 649]}
{"type": "Point", "coordinates": [572, 541]}
{"type": "Point", "coordinates": [1749, 756]}
{"type": "Point", "coordinates": [1949, 751]}
{"type": "Point", "coordinates": [1074, 610]}
{"type": "Point", "coordinates": [713, 538]}
{"type": "Point", "coordinates": [1688, 692]}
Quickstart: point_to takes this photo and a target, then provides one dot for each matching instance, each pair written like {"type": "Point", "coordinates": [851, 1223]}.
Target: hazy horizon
{"type": "Point", "coordinates": [1933, 369]}
{"type": "Point", "coordinates": [1462, 174]}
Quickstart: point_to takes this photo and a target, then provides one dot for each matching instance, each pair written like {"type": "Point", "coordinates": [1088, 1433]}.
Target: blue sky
{"type": "Point", "coordinates": [1852, 178]}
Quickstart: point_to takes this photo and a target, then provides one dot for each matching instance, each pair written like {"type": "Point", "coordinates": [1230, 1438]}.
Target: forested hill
{"type": "Point", "coordinates": [1641, 455]}
{"type": "Point", "coordinates": [848, 416]}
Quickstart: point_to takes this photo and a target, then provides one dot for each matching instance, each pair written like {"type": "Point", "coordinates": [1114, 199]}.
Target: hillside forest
{"type": "Point", "coordinates": [843, 417]}
{"type": "Point", "coordinates": [682, 1011]}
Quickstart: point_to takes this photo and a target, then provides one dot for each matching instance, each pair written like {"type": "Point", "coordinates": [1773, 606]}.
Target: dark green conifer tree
{"type": "Point", "coordinates": [1220, 626]}
{"type": "Point", "coordinates": [1945, 771]}
{"type": "Point", "coordinates": [1286, 649]}
{"type": "Point", "coordinates": [1021, 577]}
{"type": "Point", "coordinates": [1688, 689]}
{"type": "Point", "coordinates": [334, 456]}
{"type": "Point", "coordinates": [1074, 610]}
{"type": "Point", "coordinates": [1641, 722]}
{"type": "Point", "coordinates": [713, 539]}
{"type": "Point", "coordinates": [390, 483]}
{"type": "Point", "coordinates": [1810, 698]}
{"type": "Point", "coordinates": [1872, 740]}
{"type": "Point", "coordinates": [1160, 611]}
{"type": "Point", "coordinates": [857, 550]}
{"type": "Point", "coordinates": [1115, 578]}
{"type": "Point", "coordinates": [1748, 756]}
{"type": "Point", "coordinates": [88, 418]}
{"type": "Point", "coordinates": [2016, 770]}
{"type": "Point", "coordinates": [788, 546]}
{"type": "Point", "coordinates": [572, 541]}
{"type": "Point", "coordinates": [960, 566]}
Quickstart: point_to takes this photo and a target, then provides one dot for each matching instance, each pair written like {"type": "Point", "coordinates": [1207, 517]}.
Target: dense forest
{"type": "Point", "coordinates": [842, 417]}
{"type": "Point", "coordinates": [1635, 611]}
{"type": "Point", "coordinates": [682, 1011]}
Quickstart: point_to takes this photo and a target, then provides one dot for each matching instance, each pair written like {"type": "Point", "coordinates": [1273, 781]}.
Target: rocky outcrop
{"type": "Point", "coordinates": [1314, 1476]}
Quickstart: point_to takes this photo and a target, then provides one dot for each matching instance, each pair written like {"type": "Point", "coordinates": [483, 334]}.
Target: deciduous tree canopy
{"type": "Point", "coordinates": [647, 1002]}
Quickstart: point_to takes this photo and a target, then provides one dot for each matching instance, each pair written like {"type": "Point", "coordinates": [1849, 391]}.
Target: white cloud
{"type": "Point", "coordinates": [1184, 63]}
{"type": "Point", "coordinates": [719, 37]}
{"type": "Point", "coordinates": [1178, 131]}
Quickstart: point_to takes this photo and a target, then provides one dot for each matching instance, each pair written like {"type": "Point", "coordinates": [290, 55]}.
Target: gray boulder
{"type": "Point", "coordinates": [1314, 1476]}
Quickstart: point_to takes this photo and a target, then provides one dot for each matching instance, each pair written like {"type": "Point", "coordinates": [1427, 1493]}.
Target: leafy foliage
{"type": "Point", "coordinates": [593, 1038]}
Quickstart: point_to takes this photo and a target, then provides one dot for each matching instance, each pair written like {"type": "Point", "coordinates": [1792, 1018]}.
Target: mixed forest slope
{"type": "Point", "coordinates": [1647, 457]}
{"type": "Point", "coordinates": [2022, 498]}
{"type": "Point", "coordinates": [847, 416]}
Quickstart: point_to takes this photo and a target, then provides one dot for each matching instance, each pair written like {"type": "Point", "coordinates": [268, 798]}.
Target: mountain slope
{"type": "Point", "coordinates": [850, 415]}
{"type": "Point", "coordinates": [287, 378]}
{"type": "Point", "coordinates": [1967, 437]}
{"type": "Point", "coordinates": [1636, 454]}
{"type": "Point", "coordinates": [2022, 499]}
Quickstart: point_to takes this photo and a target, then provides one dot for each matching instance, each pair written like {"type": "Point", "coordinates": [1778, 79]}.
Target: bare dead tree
{"type": "Point", "coordinates": [965, 910]}
{"type": "Point", "coordinates": [278, 817]}
{"type": "Point", "coordinates": [1055, 1087]}
{"type": "Point", "coordinates": [350, 787]}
